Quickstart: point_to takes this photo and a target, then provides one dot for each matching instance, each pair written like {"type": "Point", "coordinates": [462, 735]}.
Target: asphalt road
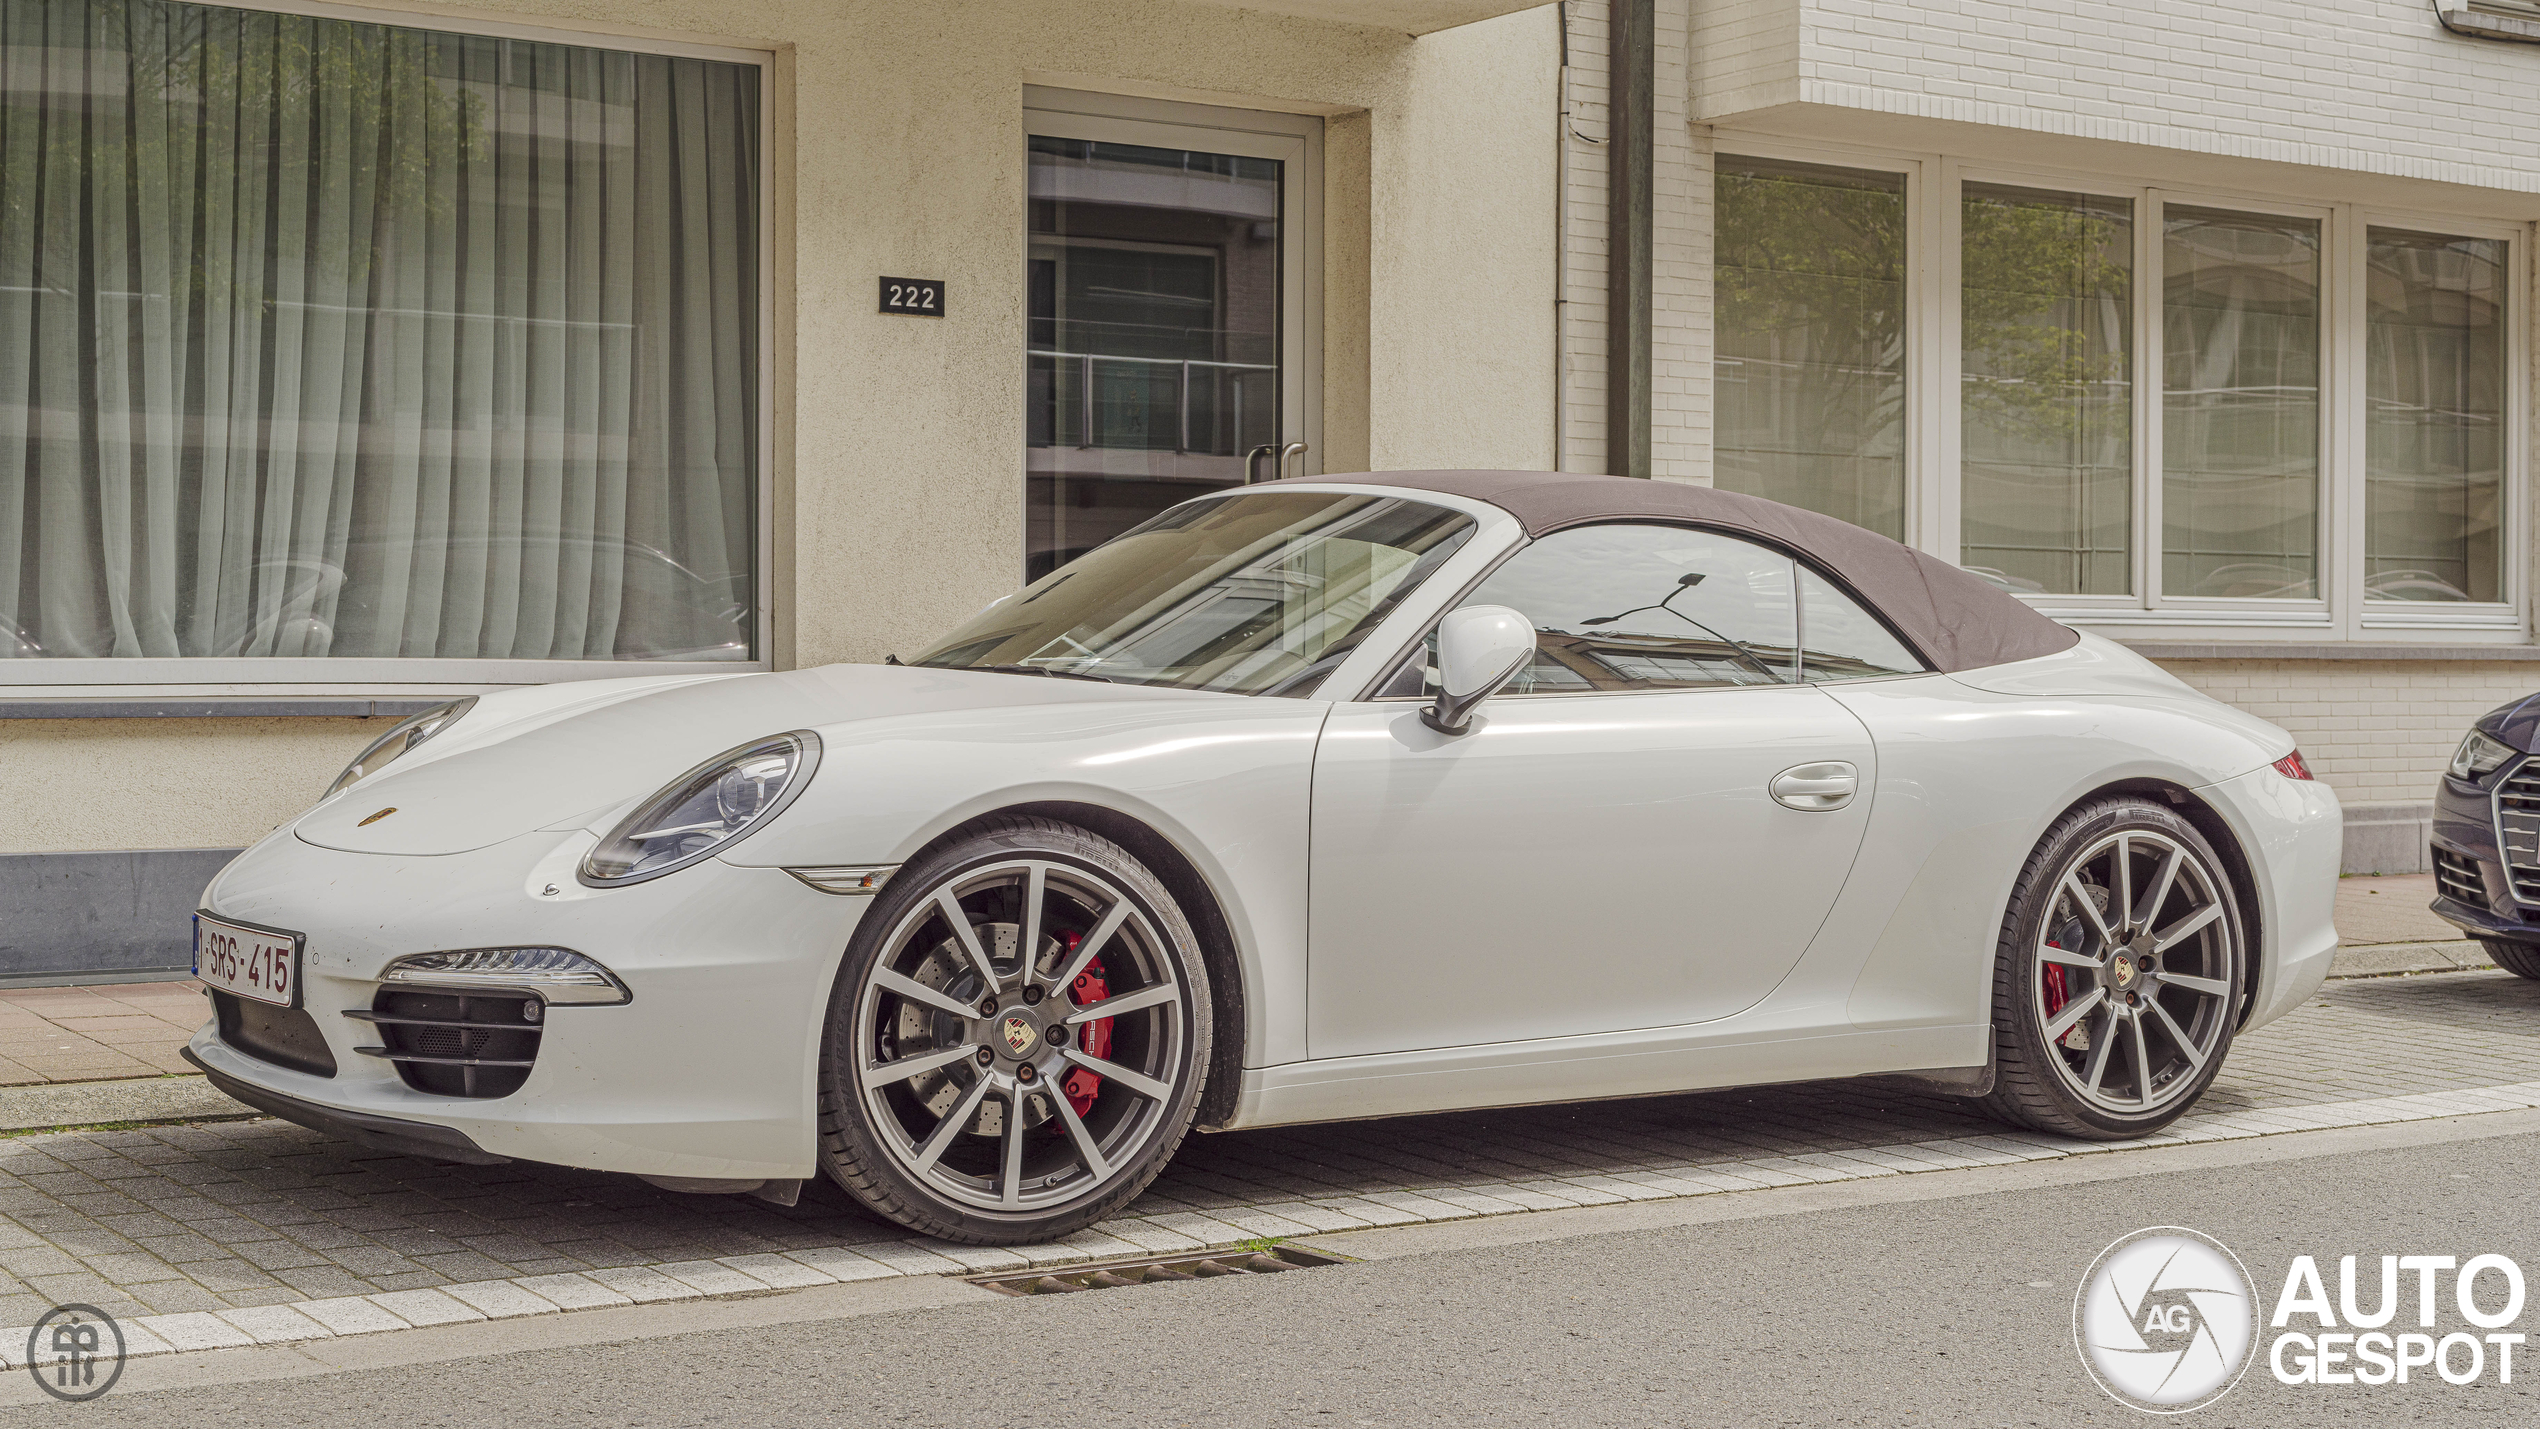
{"type": "Point", "coordinates": [1940, 1299]}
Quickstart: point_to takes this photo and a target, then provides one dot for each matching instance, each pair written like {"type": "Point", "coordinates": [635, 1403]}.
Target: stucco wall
{"type": "Point", "coordinates": [71, 784]}
{"type": "Point", "coordinates": [898, 148]}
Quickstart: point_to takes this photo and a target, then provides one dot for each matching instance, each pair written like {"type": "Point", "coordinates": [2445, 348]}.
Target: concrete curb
{"type": "Point", "coordinates": [2384, 959]}
{"type": "Point", "coordinates": [56, 1104]}
{"type": "Point", "coordinates": [306, 1320]}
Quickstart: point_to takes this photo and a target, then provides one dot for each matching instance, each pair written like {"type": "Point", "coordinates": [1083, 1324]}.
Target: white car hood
{"type": "Point", "coordinates": [568, 772]}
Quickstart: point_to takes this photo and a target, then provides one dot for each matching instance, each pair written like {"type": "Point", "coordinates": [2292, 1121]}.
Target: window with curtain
{"type": "Point", "coordinates": [330, 339]}
{"type": "Point", "coordinates": [1809, 373]}
{"type": "Point", "coordinates": [2046, 389]}
{"type": "Point", "coordinates": [2240, 405]}
{"type": "Point", "coordinates": [2434, 434]}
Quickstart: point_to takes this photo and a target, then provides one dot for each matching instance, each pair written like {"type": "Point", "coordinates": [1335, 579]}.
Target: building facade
{"type": "Point", "coordinates": [2207, 330]}
{"type": "Point", "coordinates": [354, 357]}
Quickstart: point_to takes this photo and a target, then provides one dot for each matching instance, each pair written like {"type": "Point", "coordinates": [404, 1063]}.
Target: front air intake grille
{"type": "Point", "coordinates": [2457, 877]}
{"type": "Point", "coordinates": [456, 1044]}
{"type": "Point", "coordinates": [284, 1036]}
{"type": "Point", "coordinates": [2518, 828]}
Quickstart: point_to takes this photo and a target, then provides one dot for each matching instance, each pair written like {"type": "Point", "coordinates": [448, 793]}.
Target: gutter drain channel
{"type": "Point", "coordinates": [1149, 1270]}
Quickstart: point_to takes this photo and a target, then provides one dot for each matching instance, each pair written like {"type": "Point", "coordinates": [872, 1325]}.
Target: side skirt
{"type": "Point", "coordinates": [1575, 1069]}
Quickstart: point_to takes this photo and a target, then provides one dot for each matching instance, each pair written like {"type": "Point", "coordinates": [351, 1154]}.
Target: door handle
{"type": "Point", "coordinates": [1816, 788]}
{"type": "Point", "coordinates": [1278, 455]}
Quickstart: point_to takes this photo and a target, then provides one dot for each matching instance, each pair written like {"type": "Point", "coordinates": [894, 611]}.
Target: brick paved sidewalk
{"type": "Point", "coordinates": [97, 1034]}
{"type": "Point", "coordinates": [244, 1217]}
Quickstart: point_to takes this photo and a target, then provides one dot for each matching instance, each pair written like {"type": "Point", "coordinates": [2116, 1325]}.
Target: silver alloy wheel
{"type": "Point", "coordinates": [966, 1049]}
{"type": "Point", "coordinates": [2135, 973]}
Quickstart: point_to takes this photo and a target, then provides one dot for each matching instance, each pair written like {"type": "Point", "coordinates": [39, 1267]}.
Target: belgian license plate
{"type": "Point", "coordinates": [262, 964]}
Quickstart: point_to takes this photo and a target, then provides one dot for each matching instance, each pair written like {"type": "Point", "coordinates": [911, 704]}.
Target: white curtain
{"type": "Point", "coordinates": [321, 338]}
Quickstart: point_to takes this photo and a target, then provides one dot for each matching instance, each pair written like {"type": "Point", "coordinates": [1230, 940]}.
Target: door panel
{"type": "Point", "coordinates": [1576, 864]}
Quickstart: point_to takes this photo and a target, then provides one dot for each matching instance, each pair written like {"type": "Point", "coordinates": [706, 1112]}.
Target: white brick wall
{"type": "Point", "coordinates": [2376, 86]}
{"type": "Point", "coordinates": [1584, 234]}
{"type": "Point", "coordinates": [2377, 731]}
{"type": "Point", "coordinates": [1680, 382]}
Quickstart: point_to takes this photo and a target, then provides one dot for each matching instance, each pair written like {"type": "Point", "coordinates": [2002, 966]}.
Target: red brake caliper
{"type": "Point", "coordinates": [1081, 1086]}
{"type": "Point", "coordinates": [2056, 995]}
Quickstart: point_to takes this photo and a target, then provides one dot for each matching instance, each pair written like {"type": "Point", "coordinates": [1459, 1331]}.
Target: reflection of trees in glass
{"type": "Point", "coordinates": [2046, 283]}
{"type": "Point", "coordinates": [186, 78]}
{"type": "Point", "coordinates": [2240, 423]}
{"type": "Point", "coordinates": [2434, 416]}
{"type": "Point", "coordinates": [1809, 278]}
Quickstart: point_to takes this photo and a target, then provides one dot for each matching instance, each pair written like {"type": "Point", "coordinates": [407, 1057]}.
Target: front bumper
{"type": "Point", "coordinates": [708, 1072]}
{"type": "Point", "coordinates": [2465, 829]}
{"type": "Point", "coordinates": [380, 1133]}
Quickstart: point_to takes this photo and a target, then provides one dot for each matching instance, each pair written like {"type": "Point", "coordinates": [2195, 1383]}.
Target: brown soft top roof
{"type": "Point", "coordinates": [1958, 621]}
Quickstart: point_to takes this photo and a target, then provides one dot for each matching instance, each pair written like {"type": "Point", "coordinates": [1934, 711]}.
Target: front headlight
{"type": "Point", "coordinates": [408, 732]}
{"type": "Point", "coordinates": [2479, 756]}
{"type": "Point", "coordinates": [703, 811]}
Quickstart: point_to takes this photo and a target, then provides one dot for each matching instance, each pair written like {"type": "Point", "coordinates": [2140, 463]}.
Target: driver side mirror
{"type": "Point", "coordinates": [1480, 649]}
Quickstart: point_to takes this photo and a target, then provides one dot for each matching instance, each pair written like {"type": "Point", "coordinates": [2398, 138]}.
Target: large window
{"type": "Point", "coordinates": [323, 339]}
{"type": "Point", "coordinates": [2240, 404]}
{"type": "Point", "coordinates": [2128, 404]}
{"type": "Point", "coordinates": [2435, 444]}
{"type": "Point", "coordinates": [2047, 388]}
{"type": "Point", "coordinates": [1810, 281]}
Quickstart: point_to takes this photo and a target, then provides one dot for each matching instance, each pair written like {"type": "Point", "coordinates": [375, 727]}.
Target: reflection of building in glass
{"type": "Point", "coordinates": [1153, 360]}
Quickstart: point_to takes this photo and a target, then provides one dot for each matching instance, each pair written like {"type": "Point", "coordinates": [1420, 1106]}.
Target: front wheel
{"type": "Point", "coordinates": [2520, 959]}
{"type": "Point", "coordinates": [1017, 1038]}
{"type": "Point", "coordinates": [2118, 976]}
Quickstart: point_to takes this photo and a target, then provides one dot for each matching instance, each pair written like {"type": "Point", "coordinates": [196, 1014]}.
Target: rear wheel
{"type": "Point", "coordinates": [1017, 1040]}
{"type": "Point", "coordinates": [2520, 959]}
{"type": "Point", "coordinates": [2118, 975]}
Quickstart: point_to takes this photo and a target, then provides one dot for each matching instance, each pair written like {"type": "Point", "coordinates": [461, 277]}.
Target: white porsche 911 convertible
{"type": "Point", "coordinates": [1343, 797]}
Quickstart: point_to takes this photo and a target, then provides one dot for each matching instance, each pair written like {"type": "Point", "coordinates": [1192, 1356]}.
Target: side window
{"type": "Point", "coordinates": [1626, 607]}
{"type": "Point", "coordinates": [1843, 641]}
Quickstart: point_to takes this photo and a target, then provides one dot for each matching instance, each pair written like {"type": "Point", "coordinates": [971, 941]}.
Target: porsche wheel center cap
{"type": "Point", "coordinates": [1019, 1032]}
{"type": "Point", "coordinates": [2123, 969]}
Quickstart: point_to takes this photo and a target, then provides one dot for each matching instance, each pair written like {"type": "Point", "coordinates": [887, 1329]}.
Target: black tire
{"type": "Point", "coordinates": [2520, 959]}
{"type": "Point", "coordinates": [2168, 1012]}
{"type": "Point", "coordinates": [888, 1145]}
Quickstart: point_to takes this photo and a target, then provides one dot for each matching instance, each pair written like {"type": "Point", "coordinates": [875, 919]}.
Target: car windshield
{"type": "Point", "coordinates": [1257, 593]}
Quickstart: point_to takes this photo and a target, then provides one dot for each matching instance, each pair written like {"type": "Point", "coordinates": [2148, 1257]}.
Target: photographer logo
{"type": "Point", "coordinates": [75, 1352]}
{"type": "Point", "coordinates": [2165, 1320]}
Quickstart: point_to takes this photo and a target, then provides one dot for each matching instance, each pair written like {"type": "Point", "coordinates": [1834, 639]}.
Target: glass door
{"type": "Point", "coordinates": [1167, 290]}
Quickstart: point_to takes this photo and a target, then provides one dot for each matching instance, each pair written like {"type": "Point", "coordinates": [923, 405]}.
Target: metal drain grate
{"type": "Point", "coordinates": [1103, 1275]}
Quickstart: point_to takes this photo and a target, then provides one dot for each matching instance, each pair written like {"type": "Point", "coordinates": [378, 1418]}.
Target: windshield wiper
{"type": "Point", "coordinates": [1029, 670]}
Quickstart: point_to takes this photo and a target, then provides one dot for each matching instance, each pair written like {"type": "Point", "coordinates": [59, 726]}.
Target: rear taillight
{"type": "Point", "coordinates": [2292, 767]}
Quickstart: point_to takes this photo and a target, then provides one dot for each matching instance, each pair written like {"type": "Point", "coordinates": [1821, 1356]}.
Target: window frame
{"type": "Point", "coordinates": [396, 675]}
{"type": "Point", "coordinates": [1934, 196]}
